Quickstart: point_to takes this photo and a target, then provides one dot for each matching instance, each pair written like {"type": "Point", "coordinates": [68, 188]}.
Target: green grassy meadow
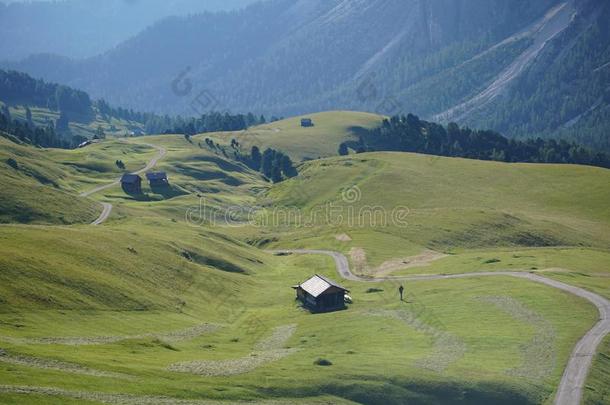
{"type": "Point", "coordinates": [33, 190]}
{"type": "Point", "coordinates": [322, 140]}
{"type": "Point", "coordinates": [596, 391]}
{"type": "Point", "coordinates": [135, 305]}
{"type": "Point", "coordinates": [113, 127]}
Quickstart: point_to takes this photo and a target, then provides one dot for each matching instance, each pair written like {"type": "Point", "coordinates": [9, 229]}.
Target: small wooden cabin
{"type": "Point", "coordinates": [157, 179]}
{"type": "Point", "coordinates": [319, 294]}
{"type": "Point", "coordinates": [131, 183]}
{"type": "Point", "coordinates": [306, 123]}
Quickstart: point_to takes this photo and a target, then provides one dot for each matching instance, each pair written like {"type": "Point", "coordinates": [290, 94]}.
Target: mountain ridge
{"type": "Point", "coordinates": [289, 57]}
{"type": "Point", "coordinates": [82, 28]}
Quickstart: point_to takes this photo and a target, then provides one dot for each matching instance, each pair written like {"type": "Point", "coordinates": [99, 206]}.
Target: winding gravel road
{"type": "Point", "coordinates": [104, 215]}
{"type": "Point", "coordinates": [107, 207]}
{"type": "Point", "coordinates": [579, 363]}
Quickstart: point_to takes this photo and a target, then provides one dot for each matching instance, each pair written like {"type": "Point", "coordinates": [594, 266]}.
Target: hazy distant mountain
{"type": "Point", "coordinates": [83, 28]}
{"type": "Point", "coordinates": [521, 67]}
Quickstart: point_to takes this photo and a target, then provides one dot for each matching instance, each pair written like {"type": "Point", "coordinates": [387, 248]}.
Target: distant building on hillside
{"type": "Point", "coordinates": [157, 179]}
{"type": "Point", "coordinates": [131, 183]}
{"type": "Point", "coordinates": [306, 123]}
{"type": "Point", "coordinates": [320, 294]}
{"type": "Point", "coordinates": [88, 142]}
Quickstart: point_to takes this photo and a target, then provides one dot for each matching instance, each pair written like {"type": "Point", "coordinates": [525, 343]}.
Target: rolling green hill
{"type": "Point", "coordinates": [32, 189]}
{"type": "Point", "coordinates": [474, 211]}
{"type": "Point", "coordinates": [42, 185]}
{"type": "Point", "coordinates": [322, 140]}
{"type": "Point", "coordinates": [467, 191]}
{"type": "Point", "coordinates": [519, 67]}
{"type": "Point", "coordinates": [112, 126]}
{"type": "Point", "coordinates": [165, 300]}
{"type": "Point", "coordinates": [129, 301]}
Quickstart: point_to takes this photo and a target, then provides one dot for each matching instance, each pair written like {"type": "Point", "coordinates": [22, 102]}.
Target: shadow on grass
{"type": "Point", "coordinates": [202, 174]}
{"type": "Point", "coordinates": [214, 262]}
{"type": "Point", "coordinates": [168, 191]}
{"type": "Point", "coordinates": [157, 193]}
{"type": "Point", "coordinates": [391, 392]}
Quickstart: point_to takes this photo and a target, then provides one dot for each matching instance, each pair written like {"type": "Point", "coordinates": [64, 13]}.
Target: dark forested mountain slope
{"type": "Point", "coordinates": [521, 67]}
{"type": "Point", "coordinates": [81, 28]}
{"type": "Point", "coordinates": [566, 91]}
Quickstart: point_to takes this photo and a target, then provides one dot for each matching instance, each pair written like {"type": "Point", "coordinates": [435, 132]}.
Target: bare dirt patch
{"type": "Point", "coordinates": [421, 260]}
{"type": "Point", "coordinates": [265, 351]}
{"type": "Point", "coordinates": [343, 238]}
{"type": "Point", "coordinates": [360, 264]}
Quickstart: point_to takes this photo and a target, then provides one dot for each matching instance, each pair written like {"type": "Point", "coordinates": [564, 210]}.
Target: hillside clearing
{"type": "Point", "coordinates": [196, 310]}
{"type": "Point", "coordinates": [322, 140]}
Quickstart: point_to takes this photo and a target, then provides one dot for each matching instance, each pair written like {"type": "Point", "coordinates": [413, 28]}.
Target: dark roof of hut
{"type": "Point", "coordinates": [129, 178]}
{"type": "Point", "coordinates": [156, 176]}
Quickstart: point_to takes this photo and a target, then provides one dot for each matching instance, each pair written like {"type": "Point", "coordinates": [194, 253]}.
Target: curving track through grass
{"type": "Point", "coordinates": [107, 207]}
{"type": "Point", "coordinates": [575, 374]}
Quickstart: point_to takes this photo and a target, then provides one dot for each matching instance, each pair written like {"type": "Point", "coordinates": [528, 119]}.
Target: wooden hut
{"type": "Point", "coordinates": [157, 179]}
{"type": "Point", "coordinates": [320, 294]}
{"type": "Point", "coordinates": [131, 183]}
{"type": "Point", "coordinates": [306, 123]}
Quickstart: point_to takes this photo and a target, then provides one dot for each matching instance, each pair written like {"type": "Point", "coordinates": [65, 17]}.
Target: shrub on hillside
{"type": "Point", "coordinates": [323, 362]}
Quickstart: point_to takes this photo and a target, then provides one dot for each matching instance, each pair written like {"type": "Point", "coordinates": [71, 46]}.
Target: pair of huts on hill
{"type": "Point", "coordinates": [132, 183]}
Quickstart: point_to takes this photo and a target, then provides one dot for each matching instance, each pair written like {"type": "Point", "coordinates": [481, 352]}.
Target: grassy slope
{"type": "Point", "coordinates": [88, 283]}
{"type": "Point", "coordinates": [197, 176]}
{"type": "Point", "coordinates": [111, 126]}
{"type": "Point", "coordinates": [132, 276]}
{"type": "Point", "coordinates": [322, 140]}
{"type": "Point", "coordinates": [597, 391]}
{"type": "Point", "coordinates": [95, 165]}
{"type": "Point", "coordinates": [45, 187]}
{"type": "Point", "coordinates": [525, 215]}
{"type": "Point", "coordinates": [34, 193]}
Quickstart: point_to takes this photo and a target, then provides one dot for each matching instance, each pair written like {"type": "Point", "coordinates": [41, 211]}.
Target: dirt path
{"type": "Point", "coordinates": [107, 207]}
{"type": "Point", "coordinates": [579, 363]}
{"type": "Point", "coordinates": [104, 215]}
